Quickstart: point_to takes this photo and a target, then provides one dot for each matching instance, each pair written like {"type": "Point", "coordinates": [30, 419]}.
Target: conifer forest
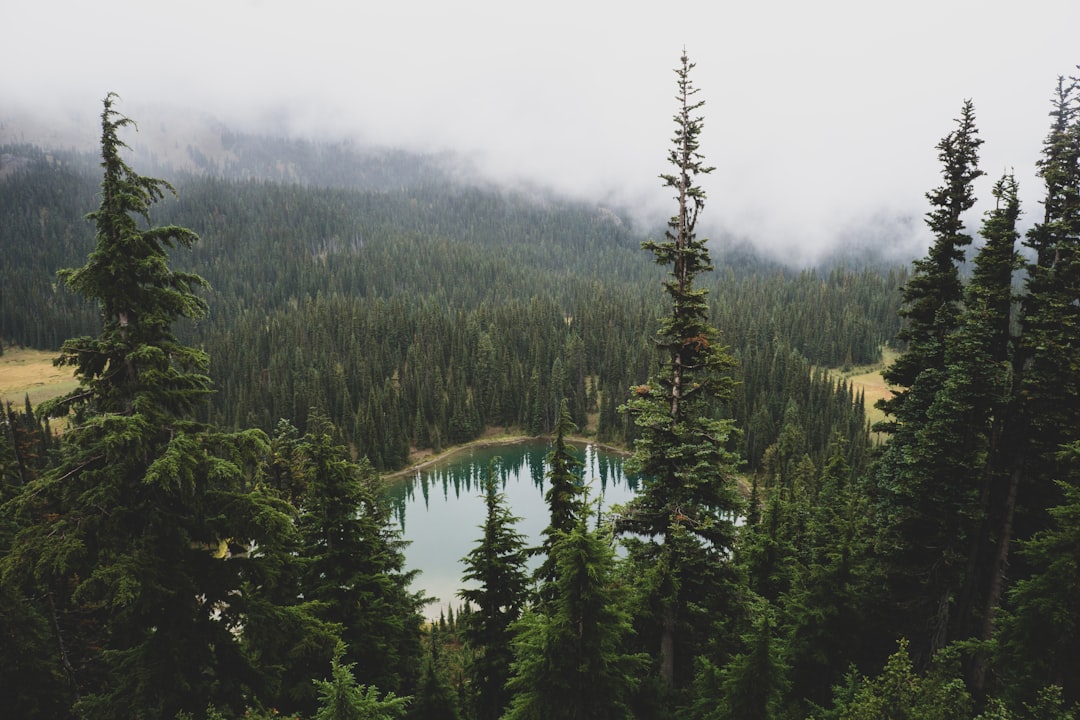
{"type": "Point", "coordinates": [201, 529]}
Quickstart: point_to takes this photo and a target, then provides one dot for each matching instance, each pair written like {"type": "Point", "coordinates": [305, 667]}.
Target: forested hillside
{"type": "Point", "coordinates": [414, 309]}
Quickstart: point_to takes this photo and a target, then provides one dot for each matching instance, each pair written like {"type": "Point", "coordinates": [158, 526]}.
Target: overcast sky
{"type": "Point", "coordinates": [819, 113]}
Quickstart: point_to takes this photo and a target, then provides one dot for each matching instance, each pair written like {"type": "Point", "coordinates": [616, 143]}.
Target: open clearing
{"type": "Point", "coordinates": [30, 372]}
{"type": "Point", "coordinates": [868, 379]}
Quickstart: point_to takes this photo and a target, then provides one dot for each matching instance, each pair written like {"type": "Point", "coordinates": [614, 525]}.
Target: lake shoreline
{"type": "Point", "coordinates": [427, 461]}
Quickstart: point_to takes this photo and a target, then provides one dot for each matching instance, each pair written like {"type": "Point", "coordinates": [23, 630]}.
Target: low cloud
{"type": "Point", "coordinates": [820, 117]}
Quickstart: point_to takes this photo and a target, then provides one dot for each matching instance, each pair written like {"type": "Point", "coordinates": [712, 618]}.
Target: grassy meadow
{"type": "Point", "coordinates": [31, 372]}
{"type": "Point", "coordinates": [868, 379]}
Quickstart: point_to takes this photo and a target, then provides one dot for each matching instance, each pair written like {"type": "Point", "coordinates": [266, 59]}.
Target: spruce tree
{"type": "Point", "coordinates": [688, 503]}
{"type": "Point", "coordinates": [354, 565]}
{"type": "Point", "coordinates": [570, 660]}
{"type": "Point", "coordinates": [933, 293]}
{"type": "Point", "coordinates": [924, 554]}
{"type": "Point", "coordinates": [497, 566]}
{"type": "Point", "coordinates": [565, 496]}
{"type": "Point", "coordinates": [124, 531]}
{"type": "Point", "coordinates": [957, 450]}
{"type": "Point", "coordinates": [1040, 636]}
{"type": "Point", "coordinates": [1048, 379]}
{"type": "Point", "coordinates": [1044, 414]}
{"type": "Point", "coordinates": [342, 698]}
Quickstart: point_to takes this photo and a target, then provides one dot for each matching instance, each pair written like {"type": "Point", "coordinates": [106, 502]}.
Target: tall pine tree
{"type": "Point", "coordinates": [688, 504]}
{"type": "Point", "coordinates": [127, 524]}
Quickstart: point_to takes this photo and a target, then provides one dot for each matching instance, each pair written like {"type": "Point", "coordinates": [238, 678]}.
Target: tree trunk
{"type": "Point", "coordinates": [997, 577]}
{"type": "Point", "coordinates": [667, 646]}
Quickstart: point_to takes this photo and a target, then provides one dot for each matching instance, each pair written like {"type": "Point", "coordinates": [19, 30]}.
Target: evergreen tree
{"type": "Point", "coordinates": [497, 566]}
{"type": "Point", "coordinates": [1044, 410]}
{"type": "Point", "coordinates": [899, 691]}
{"type": "Point", "coordinates": [565, 497]}
{"type": "Point", "coordinates": [121, 535]}
{"type": "Point", "coordinates": [341, 698]}
{"type": "Point", "coordinates": [1040, 636]}
{"type": "Point", "coordinates": [957, 449]}
{"type": "Point", "coordinates": [932, 294]}
{"type": "Point", "coordinates": [752, 684]}
{"type": "Point", "coordinates": [34, 683]}
{"type": "Point", "coordinates": [354, 562]}
{"type": "Point", "coordinates": [570, 660]}
{"type": "Point", "coordinates": [1047, 364]}
{"type": "Point", "coordinates": [830, 616]}
{"type": "Point", "coordinates": [920, 498]}
{"type": "Point", "coordinates": [434, 698]}
{"type": "Point", "coordinates": [689, 500]}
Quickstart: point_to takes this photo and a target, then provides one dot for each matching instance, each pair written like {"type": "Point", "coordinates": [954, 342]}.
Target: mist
{"type": "Point", "coordinates": [820, 118]}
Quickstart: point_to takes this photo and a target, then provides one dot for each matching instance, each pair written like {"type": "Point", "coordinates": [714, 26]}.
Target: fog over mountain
{"type": "Point", "coordinates": [821, 118]}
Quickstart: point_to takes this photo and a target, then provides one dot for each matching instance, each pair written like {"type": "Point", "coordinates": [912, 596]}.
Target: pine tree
{"type": "Point", "coordinates": [957, 449]}
{"type": "Point", "coordinates": [126, 526]}
{"type": "Point", "coordinates": [689, 500]}
{"type": "Point", "coordinates": [1048, 360]}
{"type": "Point", "coordinates": [1040, 439]}
{"type": "Point", "coordinates": [497, 566]}
{"type": "Point", "coordinates": [933, 293]}
{"type": "Point", "coordinates": [828, 616]}
{"type": "Point", "coordinates": [435, 698]}
{"type": "Point", "coordinates": [752, 684]}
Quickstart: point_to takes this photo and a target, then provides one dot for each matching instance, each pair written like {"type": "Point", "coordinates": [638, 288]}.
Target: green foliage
{"type": "Point", "coordinates": [497, 566]}
{"type": "Point", "coordinates": [900, 693]}
{"type": "Point", "coordinates": [931, 474]}
{"type": "Point", "coordinates": [120, 533]}
{"type": "Point", "coordinates": [565, 497]}
{"type": "Point", "coordinates": [570, 659]}
{"type": "Point", "coordinates": [354, 562]}
{"type": "Point", "coordinates": [753, 683]}
{"type": "Point", "coordinates": [1040, 636]}
{"type": "Point", "coordinates": [341, 698]}
{"type": "Point", "coordinates": [155, 563]}
{"type": "Point", "coordinates": [689, 500]}
{"type": "Point", "coordinates": [435, 699]}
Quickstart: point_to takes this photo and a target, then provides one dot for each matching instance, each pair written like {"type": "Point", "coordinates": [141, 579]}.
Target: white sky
{"type": "Point", "coordinates": [819, 113]}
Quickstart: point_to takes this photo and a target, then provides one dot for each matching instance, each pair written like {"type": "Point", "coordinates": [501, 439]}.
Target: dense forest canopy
{"type": "Point", "coordinates": [415, 309]}
{"type": "Point", "coordinates": [257, 338]}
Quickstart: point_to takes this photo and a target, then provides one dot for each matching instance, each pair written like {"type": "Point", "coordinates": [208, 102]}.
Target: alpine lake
{"type": "Point", "coordinates": [440, 508]}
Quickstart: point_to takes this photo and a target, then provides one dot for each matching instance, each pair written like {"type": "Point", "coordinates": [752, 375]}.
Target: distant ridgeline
{"type": "Point", "coordinates": [415, 309]}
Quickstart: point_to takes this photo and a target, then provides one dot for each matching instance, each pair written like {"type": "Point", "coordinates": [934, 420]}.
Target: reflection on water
{"type": "Point", "coordinates": [441, 508]}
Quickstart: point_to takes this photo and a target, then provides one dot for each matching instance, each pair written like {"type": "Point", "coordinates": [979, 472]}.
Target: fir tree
{"type": "Point", "coordinates": [565, 497]}
{"type": "Point", "coordinates": [932, 295]}
{"type": "Point", "coordinates": [341, 698]}
{"type": "Point", "coordinates": [1044, 410]}
{"type": "Point", "coordinates": [570, 660]}
{"type": "Point", "coordinates": [126, 527]}
{"type": "Point", "coordinates": [354, 563]}
{"type": "Point", "coordinates": [926, 555]}
{"type": "Point", "coordinates": [689, 501]}
{"type": "Point", "coordinates": [497, 566]}
{"type": "Point", "coordinates": [1040, 636]}
{"type": "Point", "coordinates": [434, 698]}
